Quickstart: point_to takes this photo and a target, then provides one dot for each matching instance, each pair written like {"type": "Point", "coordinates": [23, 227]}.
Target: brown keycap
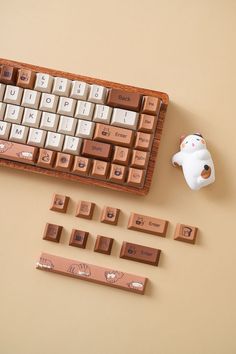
{"type": "Point", "coordinates": [110, 215]}
{"type": "Point", "coordinates": [59, 203]}
{"type": "Point", "coordinates": [103, 244]}
{"type": "Point", "coordinates": [96, 149]}
{"type": "Point", "coordinates": [143, 141]}
{"type": "Point", "coordinates": [64, 162]}
{"type": "Point", "coordinates": [46, 158]}
{"type": "Point", "coordinates": [18, 152]}
{"type": "Point", "coordinates": [147, 123]}
{"type": "Point", "coordinates": [117, 173]}
{"type": "Point", "coordinates": [151, 105]}
{"type": "Point", "coordinates": [78, 238]}
{"type": "Point", "coordinates": [26, 78]}
{"type": "Point", "coordinates": [99, 169]}
{"type": "Point", "coordinates": [81, 166]}
{"type": "Point", "coordinates": [123, 99]}
{"type": "Point", "coordinates": [185, 233]}
{"type": "Point", "coordinates": [147, 224]}
{"type": "Point", "coordinates": [8, 75]}
{"type": "Point", "coordinates": [121, 155]}
{"type": "Point", "coordinates": [139, 159]}
{"type": "Point", "coordinates": [85, 209]}
{"type": "Point", "coordinates": [89, 272]}
{"type": "Point", "coordinates": [138, 253]}
{"type": "Point", "coordinates": [52, 232]}
{"type": "Point", "coordinates": [136, 177]}
{"type": "Point", "coordinates": [114, 135]}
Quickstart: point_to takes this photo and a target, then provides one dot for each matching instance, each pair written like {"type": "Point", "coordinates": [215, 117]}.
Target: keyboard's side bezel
{"type": "Point", "coordinates": [88, 180]}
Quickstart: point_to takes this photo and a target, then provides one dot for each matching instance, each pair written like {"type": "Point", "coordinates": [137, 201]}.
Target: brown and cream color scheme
{"type": "Point", "coordinates": [79, 128]}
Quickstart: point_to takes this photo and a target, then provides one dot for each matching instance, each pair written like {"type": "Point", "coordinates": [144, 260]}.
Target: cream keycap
{"type": "Point", "coordinates": [79, 90]}
{"type": "Point", "coordinates": [4, 130]}
{"type": "Point", "coordinates": [102, 114]}
{"type": "Point", "coordinates": [61, 86]}
{"type": "Point", "coordinates": [2, 90]}
{"type": "Point", "coordinates": [13, 113]}
{"type": "Point", "coordinates": [36, 137]}
{"type": "Point", "coordinates": [67, 125]}
{"type": "Point", "coordinates": [54, 141]}
{"type": "Point", "coordinates": [97, 94]}
{"type": "Point", "coordinates": [13, 94]}
{"type": "Point", "coordinates": [31, 117]}
{"type": "Point", "coordinates": [72, 145]}
{"type": "Point", "coordinates": [85, 129]}
{"type": "Point", "coordinates": [124, 118]}
{"type": "Point", "coordinates": [2, 110]}
{"type": "Point", "coordinates": [18, 133]}
{"type": "Point", "coordinates": [31, 99]}
{"type": "Point", "coordinates": [84, 110]}
{"type": "Point", "coordinates": [66, 106]}
{"type": "Point", "coordinates": [49, 121]}
{"type": "Point", "coordinates": [48, 102]}
{"type": "Point", "coordinates": [43, 82]}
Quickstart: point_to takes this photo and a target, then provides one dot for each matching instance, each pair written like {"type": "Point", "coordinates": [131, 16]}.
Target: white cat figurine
{"type": "Point", "coordinates": [196, 161]}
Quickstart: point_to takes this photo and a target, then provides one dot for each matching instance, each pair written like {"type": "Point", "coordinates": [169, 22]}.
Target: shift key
{"type": "Point", "coordinates": [124, 99]}
{"type": "Point", "coordinates": [96, 149]}
{"type": "Point", "coordinates": [147, 224]}
{"type": "Point", "coordinates": [138, 253]}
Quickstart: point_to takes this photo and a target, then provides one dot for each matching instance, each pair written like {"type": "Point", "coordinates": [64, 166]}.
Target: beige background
{"type": "Point", "coordinates": [187, 49]}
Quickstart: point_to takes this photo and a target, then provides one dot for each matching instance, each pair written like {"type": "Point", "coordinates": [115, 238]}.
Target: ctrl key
{"type": "Point", "coordinates": [52, 232]}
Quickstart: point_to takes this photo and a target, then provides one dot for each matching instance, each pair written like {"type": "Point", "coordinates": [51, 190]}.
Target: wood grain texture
{"type": "Point", "coordinates": [88, 180]}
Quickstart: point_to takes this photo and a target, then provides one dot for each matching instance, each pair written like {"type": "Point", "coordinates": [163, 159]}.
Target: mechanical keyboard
{"type": "Point", "coordinates": [79, 128]}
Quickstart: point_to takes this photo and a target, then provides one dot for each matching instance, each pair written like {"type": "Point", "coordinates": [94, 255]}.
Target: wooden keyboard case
{"type": "Point", "coordinates": [88, 180]}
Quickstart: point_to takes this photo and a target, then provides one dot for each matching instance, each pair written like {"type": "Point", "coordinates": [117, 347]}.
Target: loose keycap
{"type": "Point", "coordinates": [147, 224]}
{"type": "Point", "coordinates": [139, 253]}
{"type": "Point", "coordinates": [92, 273]}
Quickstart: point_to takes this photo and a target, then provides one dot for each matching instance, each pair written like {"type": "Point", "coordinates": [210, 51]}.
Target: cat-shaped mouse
{"type": "Point", "coordinates": [196, 161]}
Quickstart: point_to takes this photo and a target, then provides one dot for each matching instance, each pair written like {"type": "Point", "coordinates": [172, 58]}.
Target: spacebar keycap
{"type": "Point", "coordinates": [18, 152]}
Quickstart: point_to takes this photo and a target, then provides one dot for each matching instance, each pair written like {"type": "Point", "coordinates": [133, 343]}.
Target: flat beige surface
{"type": "Point", "coordinates": [185, 48]}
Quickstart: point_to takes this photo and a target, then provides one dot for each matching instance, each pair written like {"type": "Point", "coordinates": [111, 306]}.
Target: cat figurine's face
{"type": "Point", "coordinates": [192, 143]}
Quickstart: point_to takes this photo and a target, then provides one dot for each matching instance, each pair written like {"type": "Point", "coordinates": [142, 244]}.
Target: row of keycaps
{"type": "Point", "coordinates": [67, 106]}
{"type": "Point", "coordinates": [103, 244]}
{"type": "Point", "coordinates": [73, 164]}
{"type": "Point", "coordinates": [78, 89]}
{"type": "Point", "coordinates": [87, 130]}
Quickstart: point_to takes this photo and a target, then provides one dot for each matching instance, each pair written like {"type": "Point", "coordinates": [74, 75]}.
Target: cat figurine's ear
{"type": "Point", "coordinates": [182, 138]}
{"type": "Point", "coordinates": [198, 134]}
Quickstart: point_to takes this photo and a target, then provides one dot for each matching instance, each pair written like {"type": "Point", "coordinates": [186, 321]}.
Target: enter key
{"type": "Point", "coordinates": [147, 224]}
